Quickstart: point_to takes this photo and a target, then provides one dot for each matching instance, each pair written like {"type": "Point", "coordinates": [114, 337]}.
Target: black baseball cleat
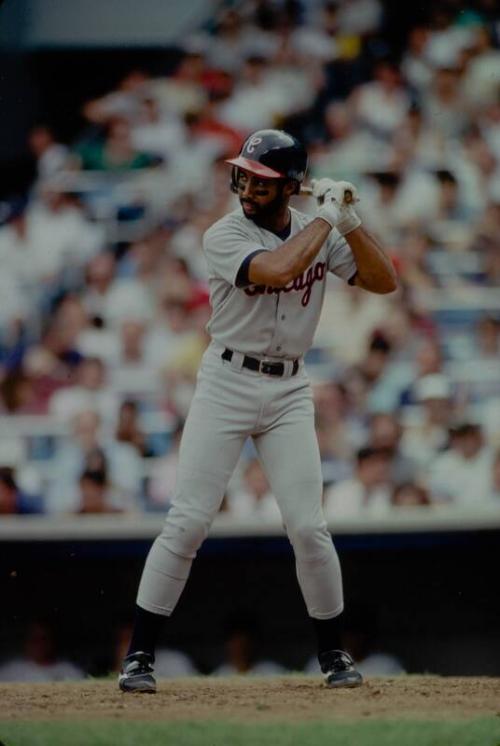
{"type": "Point", "coordinates": [137, 674]}
{"type": "Point", "coordinates": [338, 668]}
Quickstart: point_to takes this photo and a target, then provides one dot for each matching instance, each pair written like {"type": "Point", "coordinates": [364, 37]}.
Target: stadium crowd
{"type": "Point", "coordinates": [104, 285]}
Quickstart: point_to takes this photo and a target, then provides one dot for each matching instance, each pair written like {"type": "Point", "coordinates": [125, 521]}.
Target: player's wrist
{"type": "Point", "coordinates": [329, 213]}
{"type": "Point", "coordinates": [348, 222]}
{"type": "Point", "coordinates": [324, 220]}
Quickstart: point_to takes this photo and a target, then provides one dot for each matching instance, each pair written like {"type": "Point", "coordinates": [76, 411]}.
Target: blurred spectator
{"type": "Point", "coordinates": [367, 379]}
{"type": "Point", "coordinates": [194, 157]}
{"type": "Point", "coordinates": [414, 269]}
{"type": "Point", "coordinates": [155, 134]}
{"type": "Point", "coordinates": [259, 96]}
{"type": "Point", "coordinates": [428, 434]}
{"type": "Point", "coordinates": [115, 152]}
{"type": "Point", "coordinates": [161, 488]}
{"type": "Point", "coordinates": [211, 127]}
{"type": "Point", "coordinates": [487, 339]}
{"type": "Point", "coordinates": [385, 432]}
{"type": "Point", "coordinates": [365, 313]}
{"type": "Point", "coordinates": [20, 258]}
{"type": "Point", "coordinates": [447, 38]}
{"type": "Point", "coordinates": [94, 494]}
{"type": "Point", "coordinates": [89, 393]}
{"type": "Point", "coordinates": [40, 661]}
{"type": "Point", "coordinates": [339, 433]}
{"type": "Point", "coordinates": [47, 237]}
{"type": "Point", "coordinates": [255, 501]}
{"type": "Point", "coordinates": [51, 364]}
{"type": "Point", "coordinates": [130, 372]}
{"type": "Point", "coordinates": [417, 144]}
{"type": "Point", "coordinates": [428, 360]}
{"type": "Point", "coordinates": [482, 77]}
{"type": "Point", "coordinates": [463, 474]}
{"type": "Point", "coordinates": [415, 66]}
{"type": "Point", "coordinates": [17, 395]}
{"type": "Point", "coordinates": [128, 429]}
{"type": "Point", "coordinates": [240, 653]}
{"type": "Point", "coordinates": [167, 333]}
{"type": "Point", "coordinates": [13, 501]}
{"type": "Point", "coordinates": [90, 449]}
{"type": "Point", "coordinates": [359, 17]}
{"type": "Point", "coordinates": [478, 374]}
{"type": "Point", "coordinates": [124, 102]}
{"type": "Point", "coordinates": [112, 299]}
{"type": "Point", "coordinates": [234, 40]}
{"type": "Point", "coordinates": [381, 105]}
{"type": "Point", "coordinates": [409, 494]}
{"type": "Point", "coordinates": [51, 156]}
{"type": "Point", "coordinates": [183, 91]}
{"type": "Point", "coordinates": [444, 106]}
{"type": "Point", "coordinates": [495, 481]}
{"type": "Point", "coordinates": [182, 368]}
{"type": "Point", "coordinates": [367, 492]}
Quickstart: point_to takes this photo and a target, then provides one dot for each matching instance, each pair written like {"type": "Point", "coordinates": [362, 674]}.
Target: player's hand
{"type": "Point", "coordinates": [332, 205]}
{"type": "Point", "coordinates": [337, 190]}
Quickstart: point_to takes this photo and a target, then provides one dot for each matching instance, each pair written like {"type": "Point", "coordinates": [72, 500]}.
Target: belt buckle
{"type": "Point", "coordinates": [266, 367]}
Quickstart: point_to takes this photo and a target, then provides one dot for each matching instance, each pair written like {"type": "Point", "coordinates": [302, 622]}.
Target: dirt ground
{"type": "Point", "coordinates": [252, 700]}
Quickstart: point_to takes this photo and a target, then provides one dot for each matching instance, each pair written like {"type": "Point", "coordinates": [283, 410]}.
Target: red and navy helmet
{"type": "Point", "coordinates": [271, 154]}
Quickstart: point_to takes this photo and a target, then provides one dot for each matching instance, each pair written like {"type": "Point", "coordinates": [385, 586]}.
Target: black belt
{"type": "Point", "coordinates": [261, 366]}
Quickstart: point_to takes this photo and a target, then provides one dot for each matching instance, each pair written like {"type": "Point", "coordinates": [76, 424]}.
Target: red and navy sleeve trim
{"type": "Point", "coordinates": [242, 279]}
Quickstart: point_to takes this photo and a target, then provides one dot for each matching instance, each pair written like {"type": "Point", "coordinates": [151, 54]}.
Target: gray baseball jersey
{"type": "Point", "coordinates": [261, 319]}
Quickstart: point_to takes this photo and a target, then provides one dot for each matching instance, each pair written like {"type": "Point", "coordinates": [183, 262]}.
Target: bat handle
{"type": "Point", "coordinates": [348, 196]}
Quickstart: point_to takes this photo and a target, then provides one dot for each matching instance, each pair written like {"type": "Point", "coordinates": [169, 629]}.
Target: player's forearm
{"type": "Point", "coordinates": [284, 264]}
{"type": "Point", "coordinates": [375, 271]}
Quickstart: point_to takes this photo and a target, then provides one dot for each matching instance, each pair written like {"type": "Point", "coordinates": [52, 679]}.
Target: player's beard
{"type": "Point", "coordinates": [263, 213]}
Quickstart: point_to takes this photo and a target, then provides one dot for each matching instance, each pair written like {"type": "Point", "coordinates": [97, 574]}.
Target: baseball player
{"type": "Point", "coordinates": [268, 267]}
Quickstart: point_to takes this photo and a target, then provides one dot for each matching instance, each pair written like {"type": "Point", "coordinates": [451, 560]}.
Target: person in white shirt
{"type": "Point", "coordinates": [51, 156]}
{"type": "Point", "coordinates": [39, 661]}
{"type": "Point", "coordinates": [89, 393]}
{"type": "Point", "coordinates": [462, 475]}
{"type": "Point", "coordinates": [381, 105]}
{"type": "Point", "coordinates": [110, 298]}
{"type": "Point", "coordinates": [255, 501]}
{"type": "Point", "coordinates": [89, 448]}
{"type": "Point", "coordinates": [426, 431]}
{"type": "Point", "coordinates": [367, 493]}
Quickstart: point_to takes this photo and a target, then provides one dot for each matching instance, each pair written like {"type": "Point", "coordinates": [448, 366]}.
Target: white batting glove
{"type": "Point", "coordinates": [332, 206]}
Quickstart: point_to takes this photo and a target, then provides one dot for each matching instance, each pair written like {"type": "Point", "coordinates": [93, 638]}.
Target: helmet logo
{"type": "Point", "coordinates": [252, 143]}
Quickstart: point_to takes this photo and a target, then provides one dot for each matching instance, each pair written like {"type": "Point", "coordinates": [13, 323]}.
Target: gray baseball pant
{"type": "Point", "coordinates": [230, 404]}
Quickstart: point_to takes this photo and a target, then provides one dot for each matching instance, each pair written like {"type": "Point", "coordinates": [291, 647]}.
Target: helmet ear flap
{"type": "Point", "coordinates": [234, 180]}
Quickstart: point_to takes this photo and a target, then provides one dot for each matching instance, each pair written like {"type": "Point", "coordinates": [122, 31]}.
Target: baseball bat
{"type": "Point", "coordinates": [348, 198]}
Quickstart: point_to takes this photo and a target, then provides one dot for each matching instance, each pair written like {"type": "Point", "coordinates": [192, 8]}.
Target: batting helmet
{"type": "Point", "coordinates": [271, 154]}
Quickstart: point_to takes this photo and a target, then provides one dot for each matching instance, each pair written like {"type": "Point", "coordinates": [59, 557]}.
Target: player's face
{"type": "Point", "coordinates": [258, 197]}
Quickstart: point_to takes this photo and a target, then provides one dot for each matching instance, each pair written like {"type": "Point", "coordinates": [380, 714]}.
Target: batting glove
{"type": "Point", "coordinates": [332, 206]}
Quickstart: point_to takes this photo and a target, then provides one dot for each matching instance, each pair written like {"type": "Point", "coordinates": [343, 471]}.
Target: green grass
{"type": "Point", "coordinates": [478, 732]}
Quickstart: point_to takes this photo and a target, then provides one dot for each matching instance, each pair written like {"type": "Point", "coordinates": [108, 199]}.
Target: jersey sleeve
{"type": "Point", "coordinates": [340, 259]}
{"type": "Point", "coordinates": [229, 250]}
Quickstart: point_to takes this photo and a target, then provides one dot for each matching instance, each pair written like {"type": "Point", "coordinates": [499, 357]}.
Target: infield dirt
{"type": "Point", "coordinates": [292, 698]}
